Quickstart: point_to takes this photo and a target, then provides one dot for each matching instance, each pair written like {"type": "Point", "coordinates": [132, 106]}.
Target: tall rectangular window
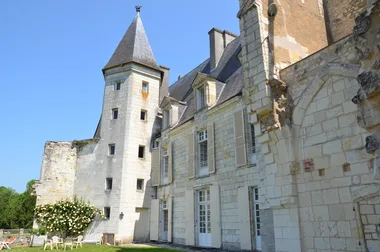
{"type": "Point", "coordinates": [111, 149]}
{"type": "Point", "coordinates": [140, 184]}
{"type": "Point", "coordinates": [141, 151]}
{"type": "Point", "coordinates": [253, 144]}
{"type": "Point", "coordinates": [143, 114]}
{"type": "Point", "coordinates": [108, 183]}
{"type": "Point", "coordinates": [166, 119]}
{"type": "Point", "coordinates": [107, 212]}
{"type": "Point", "coordinates": [165, 168]}
{"type": "Point", "coordinates": [145, 87]}
{"type": "Point", "coordinates": [115, 113]}
{"type": "Point", "coordinates": [117, 85]}
{"type": "Point", "coordinates": [202, 153]}
{"type": "Point", "coordinates": [201, 97]}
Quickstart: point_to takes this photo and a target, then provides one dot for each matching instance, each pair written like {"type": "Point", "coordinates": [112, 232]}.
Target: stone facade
{"type": "Point", "coordinates": [272, 144]}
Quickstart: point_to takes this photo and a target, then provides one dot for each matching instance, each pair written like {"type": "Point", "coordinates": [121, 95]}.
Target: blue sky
{"type": "Point", "coordinates": [52, 53]}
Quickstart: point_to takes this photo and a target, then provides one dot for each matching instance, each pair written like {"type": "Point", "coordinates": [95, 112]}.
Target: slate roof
{"type": "Point", "coordinates": [133, 47]}
{"type": "Point", "coordinates": [228, 71]}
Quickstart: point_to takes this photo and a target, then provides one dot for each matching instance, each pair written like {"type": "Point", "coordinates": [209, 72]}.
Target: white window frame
{"type": "Point", "coordinates": [202, 140]}
{"type": "Point", "coordinates": [145, 86]}
{"type": "Point", "coordinates": [204, 219]}
{"type": "Point", "coordinates": [165, 168]}
{"type": "Point", "coordinates": [256, 214]}
{"type": "Point", "coordinates": [201, 97]}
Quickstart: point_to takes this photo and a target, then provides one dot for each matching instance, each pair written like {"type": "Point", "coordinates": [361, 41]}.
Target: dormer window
{"type": "Point", "coordinates": [145, 87]}
{"type": "Point", "coordinates": [166, 121]}
{"type": "Point", "coordinates": [201, 98]}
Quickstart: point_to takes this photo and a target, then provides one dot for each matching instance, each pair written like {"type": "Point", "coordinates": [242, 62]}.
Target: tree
{"type": "Point", "coordinates": [67, 217]}
{"type": "Point", "coordinates": [17, 210]}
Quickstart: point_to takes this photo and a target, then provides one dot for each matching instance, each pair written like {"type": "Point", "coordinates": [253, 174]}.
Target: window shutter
{"type": "Point", "coordinates": [189, 213]}
{"type": "Point", "coordinates": [240, 145]}
{"type": "Point", "coordinates": [155, 166]}
{"type": "Point", "coordinates": [244, 222]}
{"type": "Point", "coordinates": [191, 156]}
{"type": "Point", "coordinates": [170, 217]}
{"type": "Point", "coordinates": [154, 216]}
{"type": "Point", "coordinates": [211, 148]}
{"type": "Point", "coordinates": [170, 164]}
{"type": "Point", "coordinates": [216, 233]}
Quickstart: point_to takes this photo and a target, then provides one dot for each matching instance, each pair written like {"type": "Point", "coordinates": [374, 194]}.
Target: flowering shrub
{"type": "Point", "coordinates": [66, 216]}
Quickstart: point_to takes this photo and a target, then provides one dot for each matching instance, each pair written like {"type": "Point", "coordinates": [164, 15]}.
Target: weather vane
{"type": "Point", "coordinates": [138, 8]}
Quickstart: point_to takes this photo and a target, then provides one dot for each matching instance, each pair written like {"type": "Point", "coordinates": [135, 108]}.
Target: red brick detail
{"type": "Point", "coordinates": [308, 164]}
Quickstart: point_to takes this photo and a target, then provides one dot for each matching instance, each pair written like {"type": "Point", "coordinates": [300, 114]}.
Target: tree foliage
{"type": "Point", "coordinates": [67, 217]}
{"type": "Point", "coordinates": [17, 209]}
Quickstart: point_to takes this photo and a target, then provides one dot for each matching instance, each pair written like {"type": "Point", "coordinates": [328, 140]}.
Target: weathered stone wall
{"type": "Point", "coordinates": [370, 217]}
{"type": "Point", "coordinates": [340, 18]}
{"type": "Point", "coordinates": [296, 31]}
{"type": "Point", "coordinates": [57, 173]}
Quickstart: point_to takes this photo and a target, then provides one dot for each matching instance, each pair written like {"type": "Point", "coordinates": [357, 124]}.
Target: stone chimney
{"type": "Point", "coordinates": [218, 41]}
{"type": "Point", "coordinates": [164, 87]}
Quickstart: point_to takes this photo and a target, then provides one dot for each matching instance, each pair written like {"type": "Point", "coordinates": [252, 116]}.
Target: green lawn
{"type": "Point", "coordinates": [100, 248]}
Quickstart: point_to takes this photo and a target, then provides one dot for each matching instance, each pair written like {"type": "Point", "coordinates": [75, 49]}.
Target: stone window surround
{"type": "Point", "coordinates": [115, 113]}
{"type": "Point", "coordinates": [143, 115]}
{"type": "Point", "coordinates": [107, 212]}
{"type": "Point", "coordinates": [108, 184]}
{"type": "Point", "coordinates": [140, 185]}
{"type": "Point", "coordinates": [141, 153]}
{"type": "Point", "coordinates": [111, 149]}
{"type": "Point", "coordinates": [145, 86]}
{"type": "Point", "coordinates": [117, 86]}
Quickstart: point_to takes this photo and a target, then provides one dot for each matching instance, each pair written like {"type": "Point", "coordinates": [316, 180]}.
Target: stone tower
{"type": "Point", "coordinates": [118, 180]}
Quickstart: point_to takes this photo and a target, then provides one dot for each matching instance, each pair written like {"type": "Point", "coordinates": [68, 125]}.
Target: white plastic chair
{"type": "Point", "coordinates": [78, 241]}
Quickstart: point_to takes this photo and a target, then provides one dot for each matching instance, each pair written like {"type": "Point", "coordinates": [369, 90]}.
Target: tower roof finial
{"type": "Point", "coordinates": [138, 8]}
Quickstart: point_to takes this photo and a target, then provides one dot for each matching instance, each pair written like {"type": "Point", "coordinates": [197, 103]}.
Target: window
{"type": "Point", "coordinates": [204, 211]}
{"type": "Point", "coordinates": [156, 143]}
{"type": "Point", "coordinates": [166, 119]}
{"type": "Point", "coordinates": [201, 97]}
{"type": "Point", "coordinates": [164, 204]}
{"type": "Point", "coordinates": [117, 85]}
{"type": "Point", "coordinates": [253, 144]}
{"type": "Point", "coordinates": [140, 185]}
{"type": "Point", "coordinates": [112, 149]}
{"type": "Point", "coordinates": [143, 114]}
{"type": "Point", "coordinates": [141, 151]}
{"type": "Point", "coordinates": [145, 87]}
{"type": "Point", "coordinates": [115, 113]}
{"type": "Point", "coordinates": [107, 212]}
{"type": "Point", "coordinates": [165, 168]}
{"type": "Point", "coordinates": [108, 183]}
{"type": "Point", "coordinates": [202, 153]}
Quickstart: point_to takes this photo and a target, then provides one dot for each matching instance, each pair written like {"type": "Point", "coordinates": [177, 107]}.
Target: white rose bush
{"type": "Point", "coordinates": [68, 217]}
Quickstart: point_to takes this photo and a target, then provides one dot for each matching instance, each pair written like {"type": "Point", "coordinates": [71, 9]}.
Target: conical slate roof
{"type": "Point", "coordinates": [133, 47]}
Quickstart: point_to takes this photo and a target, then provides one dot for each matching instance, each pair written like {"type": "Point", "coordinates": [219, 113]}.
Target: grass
{"type": "Point", "coordinates": [99, 248]}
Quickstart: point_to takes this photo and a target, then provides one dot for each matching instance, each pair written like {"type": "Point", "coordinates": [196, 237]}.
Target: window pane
{"type": "Point", "coordinates": [203, 154]}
